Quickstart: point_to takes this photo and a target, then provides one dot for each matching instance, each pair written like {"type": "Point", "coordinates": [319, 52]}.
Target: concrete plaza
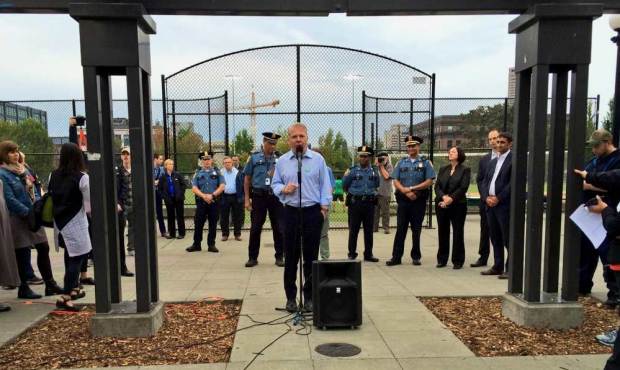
{"type": "Point", "coordinates": [398, 332]}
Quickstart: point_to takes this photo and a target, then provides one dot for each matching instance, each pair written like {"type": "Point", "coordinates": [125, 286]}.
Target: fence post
{"type": "Point", "coordinates": [410, 116]}
{"type": "Point", "coordinates": [363, 117]}
{"type": "Point", "coordinates": [209, 120]}
{"type": "Point", "coordinates": [598, 108]}
{"type": "Point", "coordinates": [165, 117]}
{"type": "Point", "coordinates": [174, 131]}
{"type": "Point", "coordinates": [298, 49]}
{"type": "Point", "coordinates": [226, 143]}
{"type": "Point", "coordinates": [377, 120]}
{"type": "Point", "coordinates": [505, 115]}
{"type": "Point", "coordinates": [73, 108]}
{"type": "Point", "coordinates": [432, 148]}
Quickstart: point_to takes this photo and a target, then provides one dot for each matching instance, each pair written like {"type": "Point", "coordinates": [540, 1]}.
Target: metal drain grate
{"type": "Point", "coordinates": [338, 349]}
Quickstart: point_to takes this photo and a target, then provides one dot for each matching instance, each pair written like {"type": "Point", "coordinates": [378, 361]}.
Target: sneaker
{"type": "Point", "coordinates": [608, 338]}
{"type": "Point", "coordinates": [212, 249]}
{"type": "Point", "coordinates": [251, 263]}
{"type": "Point", "coordinates": [291, 306]}
{"type": "Point", "coordinates": [193, 248]}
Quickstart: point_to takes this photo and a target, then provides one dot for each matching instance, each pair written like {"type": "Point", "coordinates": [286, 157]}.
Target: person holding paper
{"type": "Point", "coordinates": [606, 158]}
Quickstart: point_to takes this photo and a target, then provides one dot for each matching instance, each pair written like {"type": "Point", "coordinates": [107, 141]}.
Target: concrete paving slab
{"type": "Point", "coordinates": [425, 343]}
{"type": "Point", "coordinates": [446, 363]}
{"type": "Point", "coordinates": [357, 364]}
{"type": "Point", "coordinates": [404, 321]}
{"type": "Point", "coordinates": [289, 347]}
{"type": "Point", "coordinates": [272, 365]}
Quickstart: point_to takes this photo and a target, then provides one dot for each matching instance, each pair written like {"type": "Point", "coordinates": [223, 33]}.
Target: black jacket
{"type": "Point", "coordinates": [455, 186]}
{"type": "Point", "coordinates": [179, 187]}
{"type": "Point", "coordinates": [611, 218]}
{"type": "Point", "coordinates": [483, 165]}
{"type": "Point", "coordinates": [502, 183]}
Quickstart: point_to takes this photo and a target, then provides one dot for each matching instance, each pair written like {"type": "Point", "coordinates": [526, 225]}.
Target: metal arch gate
{"type": "Point", "coordinates": [270, 87]}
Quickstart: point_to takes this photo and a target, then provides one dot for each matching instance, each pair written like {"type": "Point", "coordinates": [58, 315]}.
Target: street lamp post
{"type": "Point", "coordinates": [614, 23]}
{"type": "Point", "coordinates": [353, 77]}
{"type": "Point", "coordinates": [233, 78]}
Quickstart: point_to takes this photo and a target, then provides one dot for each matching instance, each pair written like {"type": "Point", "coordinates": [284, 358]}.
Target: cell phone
{"type": "Point", "coordinates": [593, 201]}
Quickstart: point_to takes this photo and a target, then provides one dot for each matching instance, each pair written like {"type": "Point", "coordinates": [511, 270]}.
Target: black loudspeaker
{"type": "Point", "coordinates": [337, 293]}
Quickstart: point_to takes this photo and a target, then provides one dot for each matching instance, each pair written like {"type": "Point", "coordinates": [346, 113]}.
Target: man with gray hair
{"type": "Point", "coordinates": [311, 203]}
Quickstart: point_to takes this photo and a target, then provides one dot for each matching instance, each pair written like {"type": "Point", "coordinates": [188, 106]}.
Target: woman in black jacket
{"type": "Point", "coordinates": [611, 221]}
{"type": "Point", "coordinates": [451, 208]}
{"type": "Point", "coordinates": [172, 189]}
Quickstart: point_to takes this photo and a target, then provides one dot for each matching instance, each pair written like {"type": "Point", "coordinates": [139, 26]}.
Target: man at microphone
{"type": "Point", "coordinates": [316, 196]}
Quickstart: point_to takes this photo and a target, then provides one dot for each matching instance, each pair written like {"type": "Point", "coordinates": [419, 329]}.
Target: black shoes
{"type": "Point", "coordinates": [491, 271]}
{"type": "Point", "coordinates": [440, 265]}
{"type": "Point", "coordinates": [4, 307]}
{"type": "Point", "coordinates": [308, 307]}
{"type": "Point", "coordinates": [35, 280]}
{"type": "Point", "coordinates": [279, 262]}
{"type": "Point", "coordinates": [291, 306]}
{"type": "Point", "coordinates": [25, 292]}
{"type": "Point", "coordinates": [170, 236]}
{"type": "Point", "coordinates": [371, 259]}
{"type": "Point", "coordinates": [87, 281]}
{"type": "Point", "coordinates": [193, 248]}
{"type": "Point", "coordinates": [180, 236]}
{"type": "Point", "coordinates": [252, 263]}
{"type": "Point", "coordinates": [478, 263]}
{"type": "Point", "coordinates": [457, 267]}
{"type": "Point", "coordinates": [610, 303]}
{"type": "Point", "coordinates": [125, 272]}
{"type": "Point", "coordinates": [212, 249]}
{"type": "Point", "coordinates": [51, 288]}
{"type": "Point", "coordinates": [416, 262]}
{"type": "Point", "coordinates": [392, 262]}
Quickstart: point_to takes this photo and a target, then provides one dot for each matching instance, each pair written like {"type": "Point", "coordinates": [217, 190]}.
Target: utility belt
{"type": "Point", "coordinates": [422, 195]}
{"type": "Point", "coordinates": [372, 199]}
{"type": "Point", "coordinates": [200, 201]}
{"type": "Point", "coordinates": [257, 192]}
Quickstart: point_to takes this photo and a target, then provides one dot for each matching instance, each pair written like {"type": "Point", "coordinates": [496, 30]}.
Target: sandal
{"type": "Point", "coordinates": [65, 304]}
{"type": "Point", "coordinates": [77, 294]}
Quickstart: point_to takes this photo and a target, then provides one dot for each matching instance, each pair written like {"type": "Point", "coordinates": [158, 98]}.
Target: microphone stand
{"type": "Point", "coordinates": [299, 154]}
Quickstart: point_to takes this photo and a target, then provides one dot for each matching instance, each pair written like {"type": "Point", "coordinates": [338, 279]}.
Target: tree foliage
{"type": "Point", "coordinates": [608, 121]}
{"type": "Point", "coordinates": [243, 145]}
{"type": "Point", "coordinates": [32, 138]}
{"type": "Point", "coordinates": [335, 150]}
{"type": "Point", "coordinates": [189, 144]}
{"type": "Point", "coordinates": [480, 120]}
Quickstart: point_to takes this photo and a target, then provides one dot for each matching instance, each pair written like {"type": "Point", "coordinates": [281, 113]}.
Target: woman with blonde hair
{"type": "Point", "coordinates": [172, 187]}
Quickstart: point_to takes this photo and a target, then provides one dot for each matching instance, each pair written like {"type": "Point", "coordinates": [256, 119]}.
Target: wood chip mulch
{"type": "Point", "coordinates": [479, 324]}
{"type": "Point", "coordinates": [199, 332]}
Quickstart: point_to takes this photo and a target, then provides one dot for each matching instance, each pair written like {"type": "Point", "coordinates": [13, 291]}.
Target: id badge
{"type": "Point", "coordinates": [267, 181]}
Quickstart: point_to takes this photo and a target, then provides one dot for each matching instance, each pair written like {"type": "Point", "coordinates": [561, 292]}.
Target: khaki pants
{"type": "Point", "coordinates": [324, 245]}
{"type": "Point", "coordinates": [382, 210]}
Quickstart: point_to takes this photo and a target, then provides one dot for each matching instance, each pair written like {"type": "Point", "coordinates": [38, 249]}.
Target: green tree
{"type": "Point", "coordinates": [479, 121]}
{"type": "Point", "coordinates": [335, 150]}
{"type": "Point", "coordinates": [189, 144]}
{"type": "Point", "coordinates": [32, 138]}
{"type": "Point", "coordinates": [282, 145]}
{"type": "Point", "coordinates": [243, 144]}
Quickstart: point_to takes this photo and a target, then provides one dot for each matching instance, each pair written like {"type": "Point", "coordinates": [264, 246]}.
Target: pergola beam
{"type": "Point", "coordinates": [308, 7]}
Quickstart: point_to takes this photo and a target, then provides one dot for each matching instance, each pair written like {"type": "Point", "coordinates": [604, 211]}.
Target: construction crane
{"type": "Point", "coordinates": [252, 108]}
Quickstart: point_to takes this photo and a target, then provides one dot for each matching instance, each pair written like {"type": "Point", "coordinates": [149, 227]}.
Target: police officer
{"type": "Point", "coordinates": [208, 184]}
{"type": "Point", "coordinates": [413, 176]}
{"type": "Point", "coordinates": [260, 200]}
{"type": "Point", "coordinates": [361, 183]}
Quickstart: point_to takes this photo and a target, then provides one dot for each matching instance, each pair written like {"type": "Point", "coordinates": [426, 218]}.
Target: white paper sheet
{"type": "Point", "coordinates": [591, 224]}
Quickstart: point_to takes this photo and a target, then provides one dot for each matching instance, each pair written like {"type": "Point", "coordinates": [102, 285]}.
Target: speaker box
{"type": "Point", "coordinates": [337, 293]}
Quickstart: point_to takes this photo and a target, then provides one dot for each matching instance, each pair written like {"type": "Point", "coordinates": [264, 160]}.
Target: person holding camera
{"type": "Point", "coordinates": [361, 183]}
{"type": "Point", "coordinates": [606, 158]}
{"type": "Point", "coordinates": [208, 184]}
{"type": "Point", "coordinates": [125, 208]}
{"type": "Point", "coordinates": [384, 193]}
{"type": "Point", "coordinates": [413, 177]}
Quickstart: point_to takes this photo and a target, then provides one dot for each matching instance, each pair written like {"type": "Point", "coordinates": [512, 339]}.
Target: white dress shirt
{"type": "Point", "coordinates": [498, 166]}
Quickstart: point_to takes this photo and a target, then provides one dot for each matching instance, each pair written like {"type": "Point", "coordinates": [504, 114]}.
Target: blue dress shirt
{"type": "Point", "coordinates": [231, 180]}
{"type": "Point", "coordinates": [315, 181]}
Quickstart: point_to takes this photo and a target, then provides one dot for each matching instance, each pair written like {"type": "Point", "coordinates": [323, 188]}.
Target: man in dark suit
{"type": "Point", "coordinates": [496, 195]}
{"type": "Point", "coordinates": [483, 165]}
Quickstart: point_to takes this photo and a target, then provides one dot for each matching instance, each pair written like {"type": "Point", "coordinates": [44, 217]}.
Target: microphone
{"type": "Point", "coordinates": [299, 150]}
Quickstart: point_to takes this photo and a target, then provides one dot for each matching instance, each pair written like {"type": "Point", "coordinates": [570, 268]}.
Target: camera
{"type": "Point", "coordinates": [381, 159]}
{"type": "Point", "coordinates": [80, 121]}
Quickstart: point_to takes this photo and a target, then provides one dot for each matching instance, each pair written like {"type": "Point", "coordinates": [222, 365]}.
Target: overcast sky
{"type": "Point", "coordinates": [470, 54]}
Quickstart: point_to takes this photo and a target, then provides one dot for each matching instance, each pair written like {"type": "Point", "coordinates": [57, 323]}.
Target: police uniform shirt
{"type": "Point", "coordinates": [261, 169]}
{"type": "Point", "coordinates": [411, 172]}
{"type": "Point", "coordinates": [361, 181]}
{"type": "Point", "coordinates": [207, 180]}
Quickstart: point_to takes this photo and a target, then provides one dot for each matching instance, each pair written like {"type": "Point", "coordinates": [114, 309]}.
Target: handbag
{"type": "Point", "coordinates": [41, 213]}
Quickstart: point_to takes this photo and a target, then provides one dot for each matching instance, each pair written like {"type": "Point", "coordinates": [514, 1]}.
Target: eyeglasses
{"type": "Point", "coordinates": [206, 158]}
{"type": "Point", "coordinates": [502, 142]}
